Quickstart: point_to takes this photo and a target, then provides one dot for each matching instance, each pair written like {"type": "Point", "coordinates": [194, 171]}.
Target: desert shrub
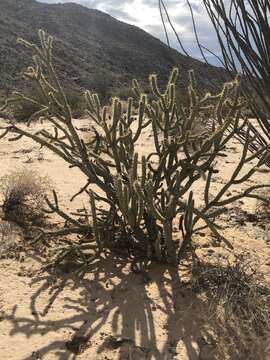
{"type": "Point", "coordinates": [123, 93]}
{"type": "Point", "coordinates": [262, 214]}
{"type": "Point", "coordinates": [11, 240]}
{"type": "Point", "coordinates": [76, 102]}
{"type": "Point", "coordinates": [102, 84]}
{"type": "Point", "coordinates": [137, 200]}
{"type": "Point", "coordinates": [23, 193]}
{"type": "Point", "coordinates": [238, 298]}
{"type": "Point", "coordinates": [263, 205]}
{"type": "Point", "coordinates": [23, 109]}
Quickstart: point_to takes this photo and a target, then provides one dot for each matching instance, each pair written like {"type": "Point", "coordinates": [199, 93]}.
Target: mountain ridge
{"type": "Point", "coordinates": [91, 48]}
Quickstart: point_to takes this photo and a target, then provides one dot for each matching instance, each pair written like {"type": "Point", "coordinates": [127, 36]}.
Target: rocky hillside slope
{"type": "Point", "coordinates": [92, 49]}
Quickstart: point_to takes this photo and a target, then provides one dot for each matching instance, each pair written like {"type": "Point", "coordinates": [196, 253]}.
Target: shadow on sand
{"type": "Point", "coordinates": [112, 310]}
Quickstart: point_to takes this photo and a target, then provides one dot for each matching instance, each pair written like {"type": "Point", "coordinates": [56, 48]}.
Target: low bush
{"type": "Point", "coordinates": [123, 93]}
{"type": "Point", "coordinates": [23, 109]}
{"type": "Point", "coordinates": [23, 193]}
{"type": "Point", "coordinates": [77, 103]}
{"type": "Point", "coordinates": [238, 298]}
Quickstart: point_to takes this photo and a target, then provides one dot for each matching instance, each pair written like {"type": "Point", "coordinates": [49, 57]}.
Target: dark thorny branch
{"type": "Point", "coordinates": [243, 33]}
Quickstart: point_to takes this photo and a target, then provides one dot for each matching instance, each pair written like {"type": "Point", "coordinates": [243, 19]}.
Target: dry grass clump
{"type": "Point", "coordinates": [23, 192]}
{"type": "Point", "coordinates": [263, 207]}
{"type": "Point", "coordinates": [262, 214]}
{"type": "Point", "coordinates": [11, 240]}
{"type": "Point", "coordinates": [238, 298]}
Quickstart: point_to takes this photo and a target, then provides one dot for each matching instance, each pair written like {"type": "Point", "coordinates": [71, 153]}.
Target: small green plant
{"type": "Point", "coordinates": [136, 200]}
{"type": "Point", "coordinates": [23, 193]}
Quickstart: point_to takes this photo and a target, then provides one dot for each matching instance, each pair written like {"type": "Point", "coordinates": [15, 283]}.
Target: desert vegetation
{"type": "Point", "coordinates": [143, 196]}
{"type": "Point", "coordinates": [23, 193]}
{"type": "Point", "coordinates": [142, 212]}
{"type": "Point", "coordinates": [238, 299]}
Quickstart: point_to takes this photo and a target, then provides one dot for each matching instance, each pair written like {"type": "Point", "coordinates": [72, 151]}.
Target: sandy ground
{"type": "Point", "coordinates": [112, 313]}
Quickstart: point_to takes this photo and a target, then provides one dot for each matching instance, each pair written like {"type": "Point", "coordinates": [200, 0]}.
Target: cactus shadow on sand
{"type": "Point", "coordinates": [115, 311]}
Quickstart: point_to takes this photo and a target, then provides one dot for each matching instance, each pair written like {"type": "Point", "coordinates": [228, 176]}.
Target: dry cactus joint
{"type": "Point", "coordinates": [143, 196]}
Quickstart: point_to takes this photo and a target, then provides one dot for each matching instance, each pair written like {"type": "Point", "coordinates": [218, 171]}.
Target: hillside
{"type": "Point", "coordinates": [92, 49]}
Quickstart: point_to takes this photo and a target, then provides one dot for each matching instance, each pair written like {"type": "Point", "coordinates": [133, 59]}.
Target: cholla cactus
{"type": "Point", "coordinates": [144, 196]}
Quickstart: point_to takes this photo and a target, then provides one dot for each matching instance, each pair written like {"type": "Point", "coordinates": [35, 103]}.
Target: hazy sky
{"type": "Point", "coordinates": [145, 14]}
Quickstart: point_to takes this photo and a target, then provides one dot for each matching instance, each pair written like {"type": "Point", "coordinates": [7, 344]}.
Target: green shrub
{"type": "Point", "coordinates": [136, 201]}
